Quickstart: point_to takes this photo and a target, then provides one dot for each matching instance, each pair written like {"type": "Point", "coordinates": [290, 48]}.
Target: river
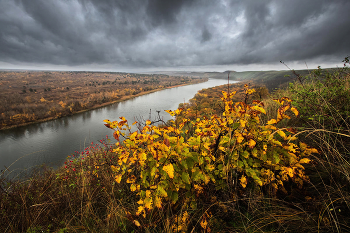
{"type": "Point", "coordinates": [50, 143]}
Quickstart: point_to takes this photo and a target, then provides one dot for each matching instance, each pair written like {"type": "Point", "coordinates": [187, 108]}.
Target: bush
{"type": "Point", "coordinates": [178, 163]}
{"type": "Point", "coordinates": [324, 97]}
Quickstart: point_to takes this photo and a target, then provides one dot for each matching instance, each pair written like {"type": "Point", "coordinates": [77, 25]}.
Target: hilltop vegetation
{"type": "Point", "coordinates": [271, 79]}
{"type": "Point", "coordinates": [32, 96]}
{"type": "Point", "coordinates": [234, 159]}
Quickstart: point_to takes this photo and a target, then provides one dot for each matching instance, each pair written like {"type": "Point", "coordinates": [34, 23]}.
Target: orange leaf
{"type": "Point", "coordinates": [116, 135]}
{"type": "Point", "coordinates": [251, 143]}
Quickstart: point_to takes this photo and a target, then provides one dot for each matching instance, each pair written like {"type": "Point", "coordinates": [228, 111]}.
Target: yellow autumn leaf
{"type": "Point", "coordinates": [131, 179]}
{"type": "Point", "coordinates": [142, 158]}
{"type": "Point", "coordinates": [289, 171]}
{"type": "Point", "coordinates": [242, 122]}
{"type": "Point", "coordinates": [148, 203]}
{"type": "Point", "coordinates": [274, 141]}
{"type": "Point", "coordinates": [304, 160]}
{"type": "Point", "coordinates": [206, 179]}
{"type": "Point", "coordinates": [282, 134]}
{"type": "Point", "coordinates": [140, 202]}
{"type": "Point", "coordinates": [224, 94]}
{"type": "Point", "coordinates": [137, 223]}
{"type": "Point", "coordinates": [251, 143]}
{"type": "Point", "coordinates": [250, 91]}
{"type": "Point", "coordinates": [243, 180]}
{"type": "Point", "coordinates": [114, 168]}
{"type": "Point", "coordinates": [204, 223]}
{"type": "Point", "coordinates": [140, 210]}
{"type": "Point", "coordinates": [118, 178]}
{"type": "Point", "coordinates": [158, 202]}
{"type": "Point", "coordinates": [258, 108]}
{"type": "Point", "coordinates": [210, 167]}
{"type": "Point", "coordinates": [198, 188]}
{"type": "Point", "coordinates": [148, 122]}
{"type": "Point", "coordinates": [178, 111]}
{"type": "Point", "coordinates": [313, 150]}
{"type": "Point", "coordinates": [132, 187]}
{"type": "Point", "coordinates": [295, 111]}
{"type": "Point", "coordinates": [169, 169]}
{"type": "Point", "coordinates": [271, 122]}
{"type": "Point", "coordinates": [240, 138]}
{"type": "Point", "coordinates": [170, 112]}
{"type": "Point", "coordinates": [133, 135]}
{"type": "Point", "coordinates": [155, 129]}
{"type": "Point", "coordinates": [291, 147]}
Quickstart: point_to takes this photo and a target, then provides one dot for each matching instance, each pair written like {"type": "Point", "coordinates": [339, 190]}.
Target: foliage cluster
{"type": "Point", "coordinates": [323, 97]}
{"type": "Point", "coordinates": [207, 102]}
{"type": "Point", "coordinates": [178, 163]}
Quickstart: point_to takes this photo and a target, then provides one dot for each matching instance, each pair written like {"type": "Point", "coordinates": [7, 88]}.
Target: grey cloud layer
{"type": "Point", "coordinates": [158, 33]}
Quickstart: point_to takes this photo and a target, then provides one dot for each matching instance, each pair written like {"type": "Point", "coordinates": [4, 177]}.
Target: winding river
{"type": "Point", "coordinates": [51, 142]}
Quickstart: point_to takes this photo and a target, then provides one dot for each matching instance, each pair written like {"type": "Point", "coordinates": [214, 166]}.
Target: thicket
{"type": "Point", "coordinates": [240, 168]}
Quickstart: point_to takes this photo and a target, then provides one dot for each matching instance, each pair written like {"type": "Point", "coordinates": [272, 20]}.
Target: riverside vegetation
{"type": "Point", "coordinates": [32, 96]}
{"type": "Point", "coordinates": [234, 159]}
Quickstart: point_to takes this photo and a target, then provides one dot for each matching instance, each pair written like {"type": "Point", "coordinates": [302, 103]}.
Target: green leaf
{"type": "Point", "coordinates": [200, 160]}
{"type": "Point", "coordinates": [255, 152]}
{"type": "Point", "coordinates": [174, 196]}
{"type": "Point", "coordinates": [195, 174]}
{"type": "Point", "coordinates": [144, 176]}
{"type": "Point", "coordinates": [190, 163]}
{"type": "Point", "coordinates": [276, 157]}
{"type": "Point", "coordinates": [185, 177]}
{"type": "Point", "coordinates": [161, 191]}
{"type": "Point", "coordinates": [235, 155]}
{"type": "Point", "coordinates": [153, 171]}
{"type": "Point", "coordinates": [245, 154]}
{"type": "Point", "coordinates": [193, 205]}
{"type": "Point", "coordinates": [236, 125]}
{"type": "Point", "coordinates": [195, 156]}
{"type": "Point", "coordinates": [184, 164]}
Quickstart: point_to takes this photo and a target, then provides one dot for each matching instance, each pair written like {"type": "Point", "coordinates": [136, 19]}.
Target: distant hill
{"type": "Point", "coordinates": [271, 79]}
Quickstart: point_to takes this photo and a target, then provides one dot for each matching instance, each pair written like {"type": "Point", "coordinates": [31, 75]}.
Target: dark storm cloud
{"type": "Point", "coordinates": [158, 33]}
{"type": "Point", "coordinates": [206, 35]}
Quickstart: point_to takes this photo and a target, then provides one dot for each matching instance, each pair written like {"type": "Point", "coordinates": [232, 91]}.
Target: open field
{"type": "Point", "coordinates": [32, 96]}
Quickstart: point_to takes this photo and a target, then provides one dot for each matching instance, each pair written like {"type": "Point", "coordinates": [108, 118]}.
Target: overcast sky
{"type": "Point", "coordinates": [150, 35]}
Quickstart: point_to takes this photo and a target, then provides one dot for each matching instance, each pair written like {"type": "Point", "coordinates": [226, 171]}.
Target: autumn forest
{"type": "Point", "coordinates": [32, 96]}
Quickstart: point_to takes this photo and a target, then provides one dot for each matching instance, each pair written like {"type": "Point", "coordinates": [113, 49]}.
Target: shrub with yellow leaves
{"type": "Point", "coordinates": [159, 163]}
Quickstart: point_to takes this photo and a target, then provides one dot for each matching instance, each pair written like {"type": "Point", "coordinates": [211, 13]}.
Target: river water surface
{"type": "Point", "coordinates": [51, 142]}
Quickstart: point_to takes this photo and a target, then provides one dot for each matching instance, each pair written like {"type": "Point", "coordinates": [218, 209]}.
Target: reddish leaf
{"type": "Point", "coordinates": [116, 135]}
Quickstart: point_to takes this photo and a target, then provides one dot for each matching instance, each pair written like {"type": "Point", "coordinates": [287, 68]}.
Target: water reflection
{"type": "Point", "coordinates": [51, 142]}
